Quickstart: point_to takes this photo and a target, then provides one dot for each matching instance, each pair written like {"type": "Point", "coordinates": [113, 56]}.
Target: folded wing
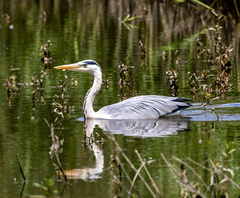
{"type": "Point", "coordinates": [144, 107]}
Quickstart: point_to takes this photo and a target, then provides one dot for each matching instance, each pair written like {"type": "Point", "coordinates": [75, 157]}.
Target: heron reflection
{"type": "Point", "coordinates": [94, 171]}
{"type": "Point", "coordinates": [141, 128]}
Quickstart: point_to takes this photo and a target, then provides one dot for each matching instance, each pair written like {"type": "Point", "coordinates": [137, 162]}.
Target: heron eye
{"type": "Point", "coordinates": [84, 65]}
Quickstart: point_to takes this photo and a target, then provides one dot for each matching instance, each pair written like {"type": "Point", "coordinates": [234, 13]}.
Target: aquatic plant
{"type": "Point", "coordinates": [126, 22]}
{"type": "Point", "coordinates": [142, 50]}
{"type": "Point", "coordinates": [11, 83]}
{"type": "Point", "coordinates": [117, 175]}
{"type": "Point", "coordinates": [126, 82]}
{"type": "Point", "coordinates": [219, 183]}
{"type": "Point", "coordinates": [59, 102]}
{"type": "Point", "coordinates": [55, 149]}
{"type": "Point", "coordinates": [60, 99]}
{"type": "Point", "coordinates": [46, 52]}
{"type": "Point", "coordinates": [122, 70]}
{"type": "Point", "coordinates": [218, 180]}
{"type": "Point", "coordinates": [231, 9]}
{"type": "Point", "coordinates": [21, 168]}
{"type": "Point", "coordinates": [49, 188]}
{"type": "Point", "coordinates": [172, 77]}
{"type": "Point", "coordinates": [37, 85]}
{"type": "Point", "coordinates": [214, 81]}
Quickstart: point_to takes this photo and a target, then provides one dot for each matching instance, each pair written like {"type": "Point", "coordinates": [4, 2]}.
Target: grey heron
{"type": "Point", "coordinates": [138, 107]}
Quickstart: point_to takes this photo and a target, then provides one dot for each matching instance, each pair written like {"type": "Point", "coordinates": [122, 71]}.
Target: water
{"type": "Point", "coordinates": [93, 30]}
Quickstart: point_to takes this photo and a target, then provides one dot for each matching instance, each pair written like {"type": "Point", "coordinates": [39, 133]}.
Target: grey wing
{"type": "Point", "coordinates": [144, 107]}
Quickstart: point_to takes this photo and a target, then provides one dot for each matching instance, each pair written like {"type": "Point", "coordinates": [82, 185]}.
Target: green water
{"type": "Point", "coordinates": [93, 30]}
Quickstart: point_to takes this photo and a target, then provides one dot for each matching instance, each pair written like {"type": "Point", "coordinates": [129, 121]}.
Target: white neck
{"type": "Point", "coordinates": [92, 92]}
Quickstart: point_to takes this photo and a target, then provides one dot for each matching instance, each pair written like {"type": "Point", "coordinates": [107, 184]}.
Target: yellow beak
{"type": "Point", "coordinates": [70, 66]}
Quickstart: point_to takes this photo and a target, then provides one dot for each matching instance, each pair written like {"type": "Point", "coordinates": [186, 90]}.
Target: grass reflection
{"type": "Point", "coordinates": [184, 37]}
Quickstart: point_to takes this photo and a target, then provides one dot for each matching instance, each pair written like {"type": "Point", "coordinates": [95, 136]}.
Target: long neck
{"type": "Point", "coordinates": [89, 98]}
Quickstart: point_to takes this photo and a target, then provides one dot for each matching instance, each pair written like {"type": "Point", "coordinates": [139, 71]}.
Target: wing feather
{"type": "Point", "coordinates": [143, 107]}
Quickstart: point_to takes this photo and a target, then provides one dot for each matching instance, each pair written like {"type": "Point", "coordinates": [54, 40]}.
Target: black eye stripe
{"type": "Point", "coordinates": [90, 62]}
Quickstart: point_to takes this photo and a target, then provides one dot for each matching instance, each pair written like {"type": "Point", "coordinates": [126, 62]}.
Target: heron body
{"type": "Point", "coordinates": [138, 107]}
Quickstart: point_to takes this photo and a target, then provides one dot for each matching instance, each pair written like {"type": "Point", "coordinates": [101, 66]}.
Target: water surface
{"type": "Point", "coordinates": [93, 30]}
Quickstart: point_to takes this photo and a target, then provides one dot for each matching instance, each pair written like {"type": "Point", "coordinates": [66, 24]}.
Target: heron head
{"type": "Point", "coordinates": [88, 66]}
